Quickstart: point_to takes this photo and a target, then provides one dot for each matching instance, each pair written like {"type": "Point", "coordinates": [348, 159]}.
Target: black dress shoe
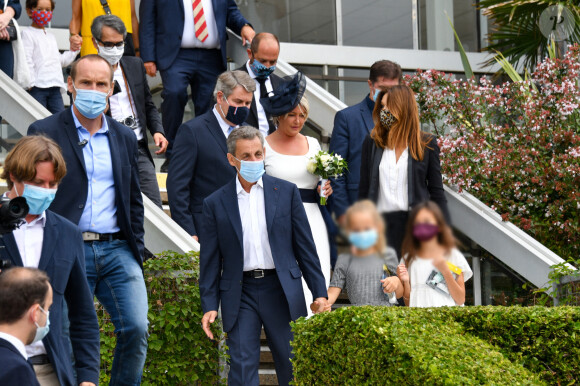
{"type": "Point", "coordinates": [165, 167]}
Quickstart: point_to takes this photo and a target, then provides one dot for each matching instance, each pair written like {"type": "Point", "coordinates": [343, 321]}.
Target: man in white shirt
{"type": "Point", "coordinates": [25, 300]}
{"type": "Point", "coordinates": [131, 102]}
{"type": "Point", "coordinates": [33, 170]}
{"type": "Point", "coordinates": [257, 245]}
{"type": "Point", "coordinates": [263, 56]}
{"type": "Point", "coordinates": [186, 41]}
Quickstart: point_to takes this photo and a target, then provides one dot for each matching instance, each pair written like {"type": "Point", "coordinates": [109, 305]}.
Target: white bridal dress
{"type": "Point", "coordinates": [293, 168]}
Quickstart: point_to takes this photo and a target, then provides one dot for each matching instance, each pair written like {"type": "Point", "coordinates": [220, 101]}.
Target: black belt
{"type": "Point", "coordinates": [41, 359]}
{"type": "Point", "coordinates": [309, 196]}
{"type": "Point", "coordinates": [93, 236]}
{"type": "Point", "coordinates": [259, 273]}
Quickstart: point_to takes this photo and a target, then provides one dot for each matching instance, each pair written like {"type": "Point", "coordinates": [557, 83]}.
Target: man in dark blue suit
{"type": "Point", "coordinates": [257, 244]}
{"type": "Point", "coordinates": [101, 194]}
{"type": "Point", "coordinates": [188, 46]}
{"type": "Point", "coordinates": [33, 170]}
{"type": "Point", "coordinates": [199, 164]}
{"type": "Point", "coordinates": [25, 297]}
{"type": "Point", "coordinates": [351, 126]}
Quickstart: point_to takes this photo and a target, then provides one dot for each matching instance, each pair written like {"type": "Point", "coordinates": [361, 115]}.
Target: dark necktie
{"type": "Point", "coordinates": [264, 94]}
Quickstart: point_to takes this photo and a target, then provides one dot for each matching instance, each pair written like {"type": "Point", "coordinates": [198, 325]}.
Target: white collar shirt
{"type": "Point", "coordinates": [262, 119]}
{"type": "Point", "coordinates": [223, 124]}
{"type": "Point", "coordinates": [122, 103]}
{"type": "Point", "coordinates": [257, 252]}
{"type": "Point", "coordinates": [14, 341]}
{"type": "Point", "coordinates": [393, 182]}
{"type": "Point", "coordinates": [29, 238]}
{"type": "Point", "coordinates": [188, 39]}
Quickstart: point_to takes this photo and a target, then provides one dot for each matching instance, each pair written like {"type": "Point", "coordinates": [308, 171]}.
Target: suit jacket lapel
{"type": "Point", "coordinates": [49, 240]}
{"type": "Point", "coordinates": [230, 202]}
{"type": "Point", "coordinates": [73, 136]}
{"type": "Point", "coordinates": [410, 187]}
{"type": "Point", "coordinates": [11, 249]}
{"type": "Point", "coordinates": [368, 119]}
{"type": "Point", "coordinates": [114, 155]}
{"type": "Point", "coordinates": [216, 131]}
{"type": "Point", "coordinates": [271, 194]}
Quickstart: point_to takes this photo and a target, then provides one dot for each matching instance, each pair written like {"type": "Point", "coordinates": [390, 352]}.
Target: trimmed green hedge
{"type": "Point", "coordinates": [179, 352]}
{"type": "Point", "coordinates": [459, 345]}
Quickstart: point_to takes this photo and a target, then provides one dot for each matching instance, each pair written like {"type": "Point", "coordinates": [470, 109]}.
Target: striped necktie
{"type": "Point", "coordinates": [199, 21]}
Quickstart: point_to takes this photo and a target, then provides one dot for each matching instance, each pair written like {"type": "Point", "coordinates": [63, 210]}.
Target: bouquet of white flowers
{"type": "Point", "coordinates": [326, 165]}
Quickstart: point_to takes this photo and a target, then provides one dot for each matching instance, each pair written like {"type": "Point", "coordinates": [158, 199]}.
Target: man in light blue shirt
{"type": "Point", "coordinates": [101, 194]}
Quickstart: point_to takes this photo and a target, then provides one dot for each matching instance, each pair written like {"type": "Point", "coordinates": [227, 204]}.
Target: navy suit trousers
{"type": "Point", "coordinates": [263, 303]}
{"type": "Point", "coordinates": [198, 68]}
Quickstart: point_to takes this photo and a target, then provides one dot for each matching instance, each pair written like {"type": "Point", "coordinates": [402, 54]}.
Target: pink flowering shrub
{"type": "Point", "coordinates": [515, 146]}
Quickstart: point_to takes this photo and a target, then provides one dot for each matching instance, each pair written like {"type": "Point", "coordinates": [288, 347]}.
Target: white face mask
{"type": "Point", "coordinates": [111, 55]}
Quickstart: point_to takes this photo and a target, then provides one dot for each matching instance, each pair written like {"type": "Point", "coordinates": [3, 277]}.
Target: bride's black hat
{"type": "Point", "coordinates": [286, 96]}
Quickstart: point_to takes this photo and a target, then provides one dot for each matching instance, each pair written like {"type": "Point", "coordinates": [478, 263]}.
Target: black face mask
{"type": "Point", "coordinates": [236, 115]}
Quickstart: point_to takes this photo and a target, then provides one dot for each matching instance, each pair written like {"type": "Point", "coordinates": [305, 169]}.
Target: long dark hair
{"type": "Point", "coordinates": [411, 245]}
{"type": "Point", "coordinates": [406, 131]}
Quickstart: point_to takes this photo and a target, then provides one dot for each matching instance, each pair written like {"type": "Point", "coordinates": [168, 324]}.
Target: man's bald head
{"type": "Point", "coordinates": [20, 289]}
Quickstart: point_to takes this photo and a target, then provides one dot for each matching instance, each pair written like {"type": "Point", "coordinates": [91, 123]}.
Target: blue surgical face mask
{"type": "Point", "coordinates": [251, 171]}
{"type": "Point", "coordinates": [376, 95]}
{"type": "Point", "coordinates": [260, 70]}
{"type": "Point", "coordinates": [90, 103]}
{"type": "Point", "coordinates": [37, 198]}
{"type": "Point", "coordinates": [364, 240]}
{"type": "Point", "coordinates": [41, 332]}
{"type": "Point", "coordinates": [235, 115]}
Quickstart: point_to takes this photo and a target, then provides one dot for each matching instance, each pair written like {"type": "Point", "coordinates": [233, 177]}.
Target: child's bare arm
{"type": "Point", "coordinates": [333, 294]}
{"type": "Point", "coordinates": [456, 286]}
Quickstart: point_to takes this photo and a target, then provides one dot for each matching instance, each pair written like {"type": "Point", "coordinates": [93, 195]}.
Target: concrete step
{"type": "Point", "coordinates": [268, 377]}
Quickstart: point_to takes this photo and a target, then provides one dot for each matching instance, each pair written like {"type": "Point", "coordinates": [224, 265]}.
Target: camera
{"type": "Point", "coordinates": [130, 122]}
{"type": "Point", "coordinates": [12, 213]}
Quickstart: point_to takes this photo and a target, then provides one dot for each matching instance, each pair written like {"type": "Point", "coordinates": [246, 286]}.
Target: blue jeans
{"type": "Point", "coordinates": [117, 280]}
{"type": "Point", "coordinates": [49, 98]}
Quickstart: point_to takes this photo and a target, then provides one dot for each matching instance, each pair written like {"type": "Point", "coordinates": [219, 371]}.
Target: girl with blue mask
{"type": "Point", "coordinates": [368, 271]}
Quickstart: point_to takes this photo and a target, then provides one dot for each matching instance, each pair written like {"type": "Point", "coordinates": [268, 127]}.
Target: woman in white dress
{"type": "Point", "coordinates": [287, 154]}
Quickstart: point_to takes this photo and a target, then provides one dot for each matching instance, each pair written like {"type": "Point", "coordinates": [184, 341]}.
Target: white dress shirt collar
{"type": "Point", "coordinates": [240, 188]}
{"type": "Point", "coordinates": [223, 124]}
{"type": "Point", "coordinates": [14, 341]}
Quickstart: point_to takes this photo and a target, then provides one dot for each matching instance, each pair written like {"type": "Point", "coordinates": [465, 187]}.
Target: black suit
{"type": "Point", "coordinates": [15, 369]}
{"type": "Point", "coordinates": [146, 111]}
{"type": "Point", "coordinates": [424, 183]}
{"type": "Point", "coordinates": [73, 189]}
{"type": "Point", "coordinates": [63, 259]}
{"type": "Point", "coordinates": [252, 119]}
{"type": "Point", "coordinates": [149, 118]}
{"type": "Point", "coordinates": [199, 166]}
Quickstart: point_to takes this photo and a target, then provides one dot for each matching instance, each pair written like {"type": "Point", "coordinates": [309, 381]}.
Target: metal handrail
{"type": "Point", "coordinates": [161, 232]}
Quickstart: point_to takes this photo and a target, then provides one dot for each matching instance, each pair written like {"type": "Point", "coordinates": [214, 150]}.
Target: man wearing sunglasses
{"type": "Point", "coordinates": [131, 102]}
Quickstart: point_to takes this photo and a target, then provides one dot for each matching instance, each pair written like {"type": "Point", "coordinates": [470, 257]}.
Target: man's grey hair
{"type": "Point", "coordinates": [110, 21]}
{"type": "Point", "coordinates": [243, 132]}
{"type": "Point", "coordinates": [229, 80]}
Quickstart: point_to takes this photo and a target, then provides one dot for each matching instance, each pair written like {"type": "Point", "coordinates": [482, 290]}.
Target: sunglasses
{"type": "Point", "coordinates": [111, 44]}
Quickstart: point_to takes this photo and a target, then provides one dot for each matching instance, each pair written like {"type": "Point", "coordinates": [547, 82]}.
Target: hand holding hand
{"type": "Point", "coordinates": [208, 318]}
{"type": "Point", "coordinates": [150, 68]}
{"type": "Point", "coordinates": [320, 305]}
{"type": "Point", "coordinates": [75, 42]}
{"type": "Point", "coordinates": [5, 19]}
{"type": "Point", "coordinates": [390, 284]}
{"type": "Point", "coordinates": [161, 142]}
{"type": "Point", "coordinates": [247, 33]}
{"type": "Point", "coordinates": [402, 273]}
{"type": "Point", "coordinates": [4, 34]}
